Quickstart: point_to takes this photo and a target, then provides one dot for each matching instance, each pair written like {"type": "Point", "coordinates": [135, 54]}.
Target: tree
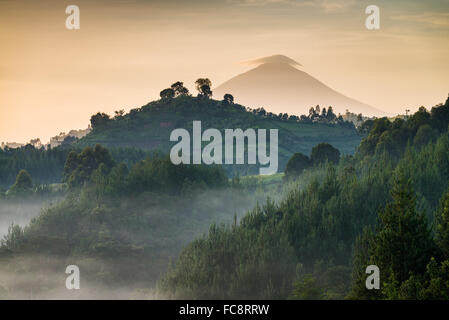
{"type": "Point", "coordinates": [330, 114]}
{"type": "Point", "coordinates": [442, 234]}
{"type": "Point", "coordinates": [168, 93]}
{"type": "Point", "coordinates": [296, 165]}
{"type": "Point", "coordinates": [324, 113]}
{"type": "Point", "coordinates": [306, 288]}
{"type": "Point", "coordinates": [23, 185]}
{"type": "Point", "coordinates": [119, 113]}
{"type": "Point", "coordinates": [99, 119]}
{"type": "Point", "coordinates": [424, 135]}
{"type": "Point", "coordinates": [203, 85]}
{"type": "Point", "coordinates": [324, 152]}
{"type": "Point", "coordinates": [312, 113]}
{"type": "Point", "coordinates": [401, 247]}
{"type": "Point", "coordinates": [261, 112]}
{"type": "Point", "coordinates": [366, 126]}
{"type": "Point", "coordinates": [228, 99]}
{"type": "Point", "coordinates": [440, 116]}
{"type": "Point", "coordinates": [403, 243]}
{"type": "Point", "coordinates": [179, 89]}
{"type": "Point", "coordinates": [79, 167]}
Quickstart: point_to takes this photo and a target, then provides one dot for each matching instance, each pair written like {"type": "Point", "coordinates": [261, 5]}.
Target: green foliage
{"type": "Point", "coordinates": [404, 250]}
{"type": "Point", "coordinates": [179, 89]}
{"type": "Point", "coordinates": [203, 85]}
{"type": "Point", "coordinates": [325, 282]}
{"type": "Point", "coordinates": [46, 166]}
{"type": "Point", "coordinates": [228, 98]}
{"type": "Point", "coordinates": [99, 120]}
{"type": "Point", "coordinates": [393, 137]}
{"type": "Point", "coordinates": [211, 268]}
{"type": "Point", "coordinates": [306, 289]}
{"type": "Point", "coordinates": [424, 135]}
{"type": "Point", "coordinates": [318, 223]}
{"type": "Point", "coordinates": [296, 165]}
{"type": "Point", "coordinates": [23, 185]}
{"type": "Point", "coordinates": [331, 209]}
{"type": "Point", "coordinates": [324, 152]}
{"type": "Point", "coordinates": [161, 175]}
{"type": "Point", "coordinates": [376, 207]}
{"type": "Point", "coordinates": [127, 220]}
{"type": "Point", "coordinates": [403, 242]}
{"type": "Point", "coordinates": [149, 128]}
{"type": "Point", "coordinates": [79, 167]}
{"type": "Point", "coordinates": [167, 93]}
{"type": "Point", "coordinates": [442, 220]}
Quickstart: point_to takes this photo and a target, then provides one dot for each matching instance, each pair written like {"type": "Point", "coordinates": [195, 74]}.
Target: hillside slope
{"type": "Point", "coordinates": [149, 128]}
{"type": "Point", "coordinates": [280, 87]}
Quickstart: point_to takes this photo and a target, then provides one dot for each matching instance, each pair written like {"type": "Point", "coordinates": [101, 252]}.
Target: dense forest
{"type": "Point", "coordinates": [46, 166]}
{"type": "Point", "coordinates": [386, 205]}
{"type": "Point", "coordinates": [121, 223]}
{"type": "Point", "coordinates": [191, 231]}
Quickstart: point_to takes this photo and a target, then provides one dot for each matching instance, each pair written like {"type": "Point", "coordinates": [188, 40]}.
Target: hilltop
{"type": "Point", "coordinates": [149, 127]}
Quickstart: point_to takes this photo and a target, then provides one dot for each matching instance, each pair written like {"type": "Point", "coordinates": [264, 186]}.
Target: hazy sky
{"type": "Point", "coordinates": [53, 79]}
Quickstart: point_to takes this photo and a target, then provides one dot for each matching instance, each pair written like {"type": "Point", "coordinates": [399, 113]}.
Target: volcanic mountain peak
{"type": "Point", "coordinates": [275, 59]}
{"type": "Point", "coordinates": [278, 86]}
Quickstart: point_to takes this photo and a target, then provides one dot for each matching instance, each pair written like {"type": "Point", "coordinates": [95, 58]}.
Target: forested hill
{"type": "Point", "coordinates": [149, 127]}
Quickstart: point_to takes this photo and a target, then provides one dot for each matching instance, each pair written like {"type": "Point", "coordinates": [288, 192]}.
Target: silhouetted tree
{"type": "Point", "coordinates": [179, 89]}
{"type": "Point", "coordinates": [168, 93]}
{"type": "Point", "coordinates": [99, 119]}
{"type": "Point", "coordinates": [312, 112]}
{"type": "Point", "coordinates": [330, 114]}
{"type": "Point", "coordinates": [203, 85]}
{"type": "Point", "coordinates": [228, 98]}
{"type": "Point", "coordinates": [119, 113]}
{"type": "Point", "coordinates": [324, 113]}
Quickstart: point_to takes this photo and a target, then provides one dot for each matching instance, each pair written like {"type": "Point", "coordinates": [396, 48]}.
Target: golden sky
{"type": "Point", "coordinates": [53, 79]}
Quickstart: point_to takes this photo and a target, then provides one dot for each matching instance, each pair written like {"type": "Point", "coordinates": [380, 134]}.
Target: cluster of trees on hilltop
{"type": "Point", "coordinates": [203, 86]}
{"type": "Point", "coordinates": [149, 127]}
{"type": "Point", "coordinates": [316, 115]}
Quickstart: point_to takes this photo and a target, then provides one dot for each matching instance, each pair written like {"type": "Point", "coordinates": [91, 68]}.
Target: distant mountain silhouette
{"type": "Point", "coordinates": [279, 87]}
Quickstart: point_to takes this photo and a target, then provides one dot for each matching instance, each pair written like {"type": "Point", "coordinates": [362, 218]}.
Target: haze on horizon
{"type": "Point", "coordinates": [126, 52]}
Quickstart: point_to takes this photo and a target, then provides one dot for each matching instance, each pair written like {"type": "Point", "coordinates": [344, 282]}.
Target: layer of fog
{"type": "Point", "coordinates": [44, 277]}
{"type": "Point", "coordinates": [20, 212]}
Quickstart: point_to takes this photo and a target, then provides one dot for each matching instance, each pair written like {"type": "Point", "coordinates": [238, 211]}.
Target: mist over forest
{"type": "Point", "coordinates": [140, 227]}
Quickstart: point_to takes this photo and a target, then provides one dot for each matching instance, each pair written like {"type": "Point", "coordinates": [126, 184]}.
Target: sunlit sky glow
{"type": "Point", "coordinates": [126, 52]}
